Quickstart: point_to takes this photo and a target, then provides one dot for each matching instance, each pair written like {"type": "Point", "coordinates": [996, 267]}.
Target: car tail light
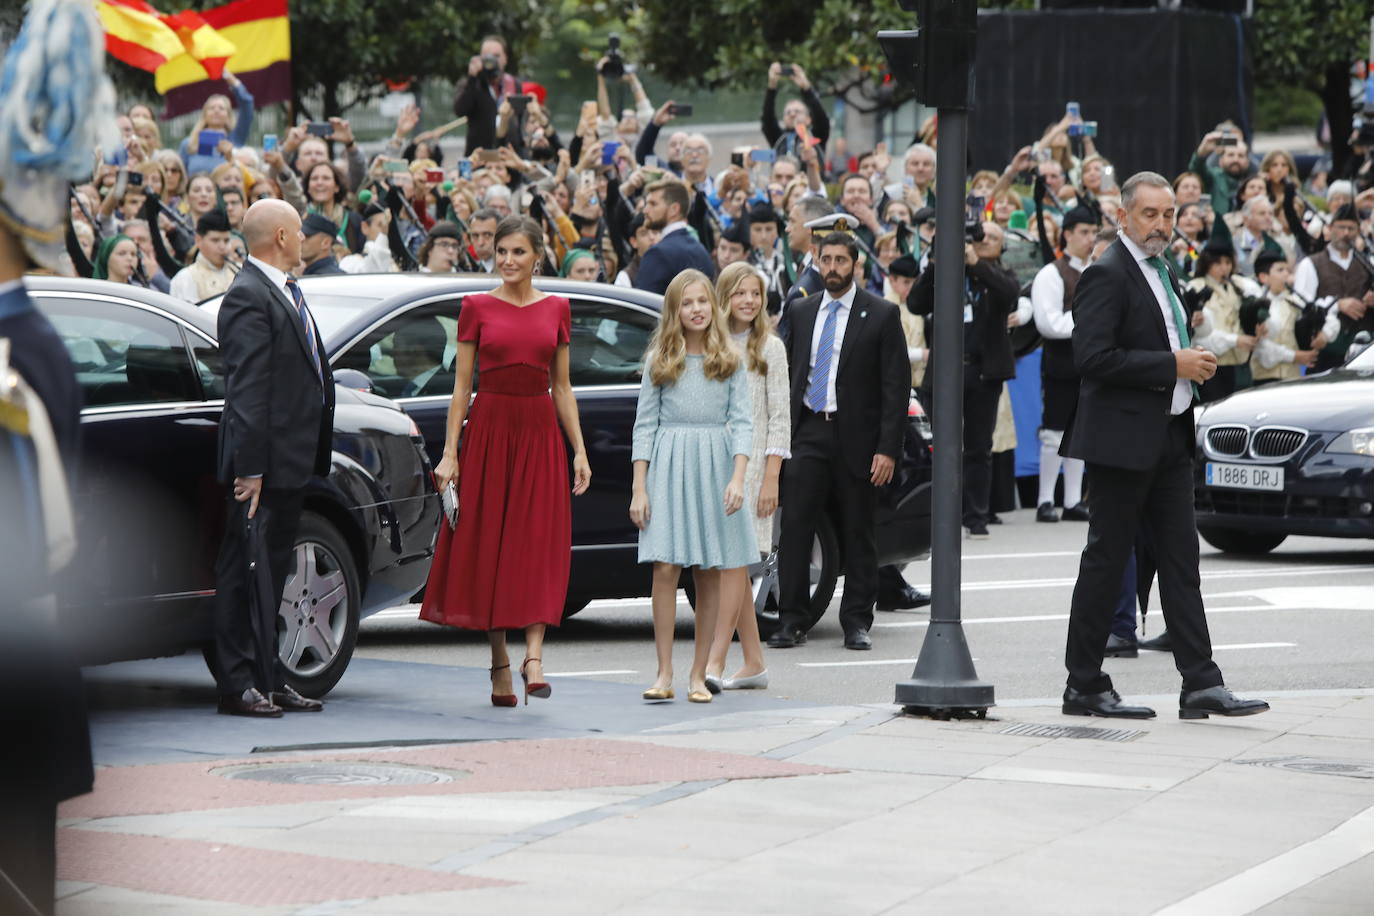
{"type": "Point", "coordinates": [914, 408]}
{"type": "Point", "coordinates": [414, 429]}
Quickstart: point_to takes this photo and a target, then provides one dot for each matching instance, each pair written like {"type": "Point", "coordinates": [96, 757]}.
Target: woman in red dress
{"type": "Point", "coordinates": [505, 565]}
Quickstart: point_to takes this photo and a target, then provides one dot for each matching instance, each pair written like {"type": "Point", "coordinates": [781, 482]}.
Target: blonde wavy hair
{"type": "Point", "coordinates": [727, 284]}
{"type": "Point", "coordinates": [193, 138]}
{"type": "Point", "coordinates": [667, 354]}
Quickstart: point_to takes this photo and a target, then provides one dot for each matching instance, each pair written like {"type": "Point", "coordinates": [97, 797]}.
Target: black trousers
{"type": "Point", "coordinates": [235, 642]}
{"type": "Point", "coordinates": [27, 850]}
{"type": "Point", "coordinates": [891, 581]}
{"type": "Point", "coordinates": [1161, 501]}
{"type": "Point", "coordinates": [815, 471]}
{"type": "Point", "coordinates": [980, 419]}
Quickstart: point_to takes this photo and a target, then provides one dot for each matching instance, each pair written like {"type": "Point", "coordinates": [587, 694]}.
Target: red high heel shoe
{"type": "Point", "coordinates": [502, 699]}
{"type": "Point", "coordinates": [535, 689]}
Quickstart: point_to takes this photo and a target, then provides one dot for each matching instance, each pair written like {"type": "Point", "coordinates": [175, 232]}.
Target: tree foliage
{"type": "Point", "coordinates": [1297, 40]}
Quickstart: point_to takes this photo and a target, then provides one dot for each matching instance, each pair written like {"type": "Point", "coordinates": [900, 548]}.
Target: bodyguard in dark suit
{"type": "Point", "coordinates": [1133, 428]}
{"type": "Point", "coordinates": [850, 384]}
{"type": "Point", "coordinates": [666, 204]}
{"type": "Point", "coordinates": [275, 433]}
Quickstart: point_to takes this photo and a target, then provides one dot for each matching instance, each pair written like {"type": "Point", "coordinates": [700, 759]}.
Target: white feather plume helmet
{"type": "Point", "coordinates": [57, 107]}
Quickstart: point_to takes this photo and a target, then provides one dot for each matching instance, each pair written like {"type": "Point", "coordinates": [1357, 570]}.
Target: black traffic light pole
{"type": "Point", "coordinates": [938, 59]}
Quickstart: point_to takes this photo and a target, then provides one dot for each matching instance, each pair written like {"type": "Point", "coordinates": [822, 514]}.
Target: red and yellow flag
{"type": "Point", "coordinates": [204, 46]}
{"type": "Point", "coordinates": [136, 34]}
{"type": "Point", "coordinates": [261, 32]}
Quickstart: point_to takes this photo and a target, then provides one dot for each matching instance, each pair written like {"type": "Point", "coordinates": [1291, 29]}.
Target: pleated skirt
{"type": "Point", "coordinates": [689, 469]}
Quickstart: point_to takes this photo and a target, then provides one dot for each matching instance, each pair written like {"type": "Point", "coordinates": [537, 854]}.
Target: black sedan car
{"type": "Point", "coordinates": [1293, 457]}
{"type": "Point", "coordinates": [150, 511]}
{"type": "Point", "coordinates": [370, 321]}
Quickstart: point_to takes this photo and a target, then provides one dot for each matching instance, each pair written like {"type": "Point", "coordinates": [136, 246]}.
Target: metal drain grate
{"type": "Point", "coordinates": [1027, 730]}
{"type": "Point", "coordinates": [336, 773]}
{"type": "Point", "coordinates": [1353, 769]}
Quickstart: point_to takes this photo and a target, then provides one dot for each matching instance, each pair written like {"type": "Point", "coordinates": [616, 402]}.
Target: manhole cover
{"type": "Point", "coordinates": [1027, 730]}
{"type": "Point", "coordinates": [1322, 767]}
{"type": "Point", "coordinates": [336, 773]}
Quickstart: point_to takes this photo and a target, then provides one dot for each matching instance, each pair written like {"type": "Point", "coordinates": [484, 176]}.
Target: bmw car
{"type": "Point", "coordinates": [1291, 458]}
{"type": "Point", "coordinates": [368, 322]}
{"type": "Point", "coordinates": [150, 511]}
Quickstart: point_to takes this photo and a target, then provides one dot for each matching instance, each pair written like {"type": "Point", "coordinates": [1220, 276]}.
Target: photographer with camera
{"type": "Point", "coordinates": [1222, 178]}
{"type": "Point", "coordinates": [612, 66]}
{"type": "Point", "coordinates": [990, 297]}
{"type": "Point", "coordinates": [800, 117]}
{"type": "Point", "coordinates": [480, 95]}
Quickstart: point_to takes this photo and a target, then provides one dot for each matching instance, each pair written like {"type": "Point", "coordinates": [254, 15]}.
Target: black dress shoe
{"type": "Point", "coordinates": [786, 638]}
{"type": "Point", "coordinates": [977, 531]}
{"type": "Point", "coordinates": [1107, 704]}
{"type": "Point", "coordinates": [1160, 643]}
{"type": "Point", "coordinates": [1120, 648]}
{"type": "Point", "coordinates": [994, 519]}
{"type": "Point", "coordinates": [1078, 513]}
{"type": "Point", "coordinates": [291, 701]}
{"type": "Point", "coordinates": [1218, 701]}
{"type": "Point", "coordinates": [1045, 513]}
{"type": "Point", "coordinates": [904, 600]}
{"type": "Point", "coordinates": [249, 703]}
{"type": "Point", "coordinates": [857, 639]}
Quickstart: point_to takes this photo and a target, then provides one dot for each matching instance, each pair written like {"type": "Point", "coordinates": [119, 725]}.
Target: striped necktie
{"type": "Point", "coordinates": [299, 298]}
{"type": "Point", "coordinates": [820, 376]}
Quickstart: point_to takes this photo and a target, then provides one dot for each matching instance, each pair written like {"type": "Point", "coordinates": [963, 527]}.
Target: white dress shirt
{"type": "Point", "coordinates": [278, 277]}
{"type": "Point", "coordinates": [674, 226]}
{"type": "Point", "coordinates": [1183, 390]}
{"type": "Point", "coordinates": [846, 300]}
{"type": "Point", "coordinates": [1047, 300]}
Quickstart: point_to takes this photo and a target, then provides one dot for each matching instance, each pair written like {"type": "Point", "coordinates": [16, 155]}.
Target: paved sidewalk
{"type": "Point", "coordinates": [749, 806]}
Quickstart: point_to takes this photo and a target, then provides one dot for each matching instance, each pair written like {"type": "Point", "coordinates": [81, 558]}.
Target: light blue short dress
{"type": "Point", "coordinates": [690, 433]}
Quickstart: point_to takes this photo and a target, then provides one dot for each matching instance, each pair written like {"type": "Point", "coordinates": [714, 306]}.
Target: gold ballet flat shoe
{"type": "Point", "coordinates": [699, 696]}
{"type": "Point", "coordinates": [658, 694]}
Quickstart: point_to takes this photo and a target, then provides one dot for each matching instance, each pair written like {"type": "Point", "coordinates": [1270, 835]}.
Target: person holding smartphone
{"type": "Point", "coordinates": [1222, 176]}
{"type": "Point", "coordinates": [785, 137]}
{"type": "Point", "coordinates": [203, 149]}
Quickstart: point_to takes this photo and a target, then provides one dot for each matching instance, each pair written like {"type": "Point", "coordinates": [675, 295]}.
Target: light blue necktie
{"type": "Point", "coordinates": [299, 298]}
{"type": "Point", "coordinates": [820, 375]}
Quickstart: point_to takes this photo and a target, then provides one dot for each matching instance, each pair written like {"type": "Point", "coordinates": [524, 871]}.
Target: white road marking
{"type": "Point", "coordinates": [1138, 783]}
{"type": "Point", "coordinates": [1256, 645]}
{"type": "Point", "coordinates": [1280, 876]}
{"type": "Point", "coordinates": [590, 673]}
{"type": "Point", "coordinates": [1264, 573]}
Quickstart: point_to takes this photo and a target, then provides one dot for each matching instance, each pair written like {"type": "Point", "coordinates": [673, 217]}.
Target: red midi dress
{"type": "Point", "coordinates": [506, 564]}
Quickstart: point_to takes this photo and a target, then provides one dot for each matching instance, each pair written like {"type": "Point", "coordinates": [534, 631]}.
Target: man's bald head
{"type": "Point", "coordinates": [272, 231]}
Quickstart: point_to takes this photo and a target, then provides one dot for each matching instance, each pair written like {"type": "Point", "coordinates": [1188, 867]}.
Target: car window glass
{"type": "Point", "coordinates": [412, 355]}
{"type": "Point", "coordinates": [123, 355]}
{"type": "Point", "coordinates": [209, 366]}
{"type": "Point", "coordinates": [608, 343]}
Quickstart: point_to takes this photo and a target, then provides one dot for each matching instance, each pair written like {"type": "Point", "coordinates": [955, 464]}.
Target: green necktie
{"type": "Point", "coordinates": [1180, 318]}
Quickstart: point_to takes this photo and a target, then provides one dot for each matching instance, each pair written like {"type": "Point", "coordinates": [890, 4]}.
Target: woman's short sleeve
{"type": "Point", "coordinates": [470, 319]}
{"type": "Point", "coordinates": [564, 322]}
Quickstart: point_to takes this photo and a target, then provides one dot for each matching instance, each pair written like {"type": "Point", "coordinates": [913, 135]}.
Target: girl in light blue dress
{"type": "Point", "coordinates": [692, 437]}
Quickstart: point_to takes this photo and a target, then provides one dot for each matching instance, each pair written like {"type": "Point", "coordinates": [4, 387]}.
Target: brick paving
{"type": "Point", "coordinates": [503, 766]}
{"type": "Point", "coordinates": [238, 874]}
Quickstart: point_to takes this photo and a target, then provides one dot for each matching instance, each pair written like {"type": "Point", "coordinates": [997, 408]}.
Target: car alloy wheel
{"type": "Point", "coordinates": [317, 622]}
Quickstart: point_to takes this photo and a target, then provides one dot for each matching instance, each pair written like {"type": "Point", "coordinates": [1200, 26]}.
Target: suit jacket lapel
{"type": "Point", "coordinates": [803, 328]}
{"type": "Point", "coordinates": [1134, 269]}
{"type": "Point", "coordinates": [293, 316]}
{"type": "Point", "coordinates": [858, 320]}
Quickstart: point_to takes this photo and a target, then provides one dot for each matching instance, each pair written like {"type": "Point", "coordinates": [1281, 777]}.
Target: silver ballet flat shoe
{"type": "Point", "coordinates": [752, 682]}
{"type": "Point", "coordinates": [714, 683]}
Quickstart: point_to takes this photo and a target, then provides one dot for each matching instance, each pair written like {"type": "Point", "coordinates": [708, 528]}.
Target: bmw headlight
{"type": "Point", "coordinates": [1356, 442]}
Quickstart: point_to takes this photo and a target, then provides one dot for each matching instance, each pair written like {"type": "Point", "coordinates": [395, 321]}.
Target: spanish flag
{"type": "Point", "coordinates": [136, 34]}
{"type": "Point", "coordinates": [261, 33]}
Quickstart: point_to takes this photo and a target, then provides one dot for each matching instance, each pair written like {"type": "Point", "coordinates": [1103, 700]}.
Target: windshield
{"type": "Point", "coordinates": [331, 311]}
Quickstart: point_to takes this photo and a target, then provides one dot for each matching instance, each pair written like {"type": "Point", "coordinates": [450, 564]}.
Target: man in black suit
{"type": "Point", "coordinates": [850, 385]}
{"type": "Point", "coordinates": [275, 433]}
{"type": "Point", "coordinates": [666, 203]}
{"type": "Point", "coordinates": [1133, 428]}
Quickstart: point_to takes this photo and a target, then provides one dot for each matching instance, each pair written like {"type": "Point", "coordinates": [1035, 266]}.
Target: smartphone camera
{"type": "Point", "coordinates": [973, 218]}
{"type": "Point", "coordinates": [135, 179]}
{"type": "Point", "coordinates": [319, 129]}
{"type": "Point", "coordinates": [681, 111]}
{"type": "Point", "coordinates": [269, 143]}
{"type": "Point", "coordinates": [787, 70]}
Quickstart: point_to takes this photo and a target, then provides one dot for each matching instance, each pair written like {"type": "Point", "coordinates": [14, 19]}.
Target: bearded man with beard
{"type": "Point", "coordinates": [1133, 428]}
{"type": "Point", "coordinates": [1336, 272]}
{"type": "Point", "coordinates": [850, 384]}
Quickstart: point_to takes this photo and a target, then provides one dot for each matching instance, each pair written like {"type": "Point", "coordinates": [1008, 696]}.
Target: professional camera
{"type": "Point", "coordinates": [973, 218]}
{"type": "Point", "coordinates": [490, 64]}
{"type": "Point", "coordinates": [614, 68]}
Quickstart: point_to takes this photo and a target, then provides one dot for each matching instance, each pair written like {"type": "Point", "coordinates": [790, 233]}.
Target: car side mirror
{"type": "Point", "coordinates": [352, 378]}
{"type": "Point", "coordinates": [1362, 342]}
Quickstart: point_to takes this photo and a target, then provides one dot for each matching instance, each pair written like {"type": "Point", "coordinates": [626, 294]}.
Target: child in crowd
{"type": "Point", "coordinates": [692, 437]}
{"type": "Point", "coordinates": [1279, 355]}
